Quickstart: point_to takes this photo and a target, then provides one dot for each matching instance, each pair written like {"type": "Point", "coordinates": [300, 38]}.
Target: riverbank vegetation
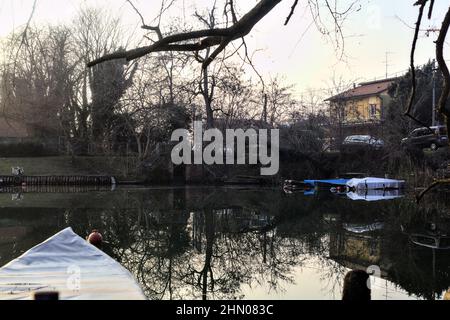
{"type": "Point", "coordinates": [121, 107]}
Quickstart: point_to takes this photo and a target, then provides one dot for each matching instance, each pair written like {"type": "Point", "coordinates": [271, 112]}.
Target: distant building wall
{"type": "Point", "coordinates": [17, 140]}
{"type": "Point", "coordinates": [363, 110]}
{"type": "Point", "coordinates": [12, 129]}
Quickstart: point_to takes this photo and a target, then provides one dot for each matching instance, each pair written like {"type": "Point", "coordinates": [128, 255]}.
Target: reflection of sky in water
{"type": "Point", "coordinates": [310, 284]}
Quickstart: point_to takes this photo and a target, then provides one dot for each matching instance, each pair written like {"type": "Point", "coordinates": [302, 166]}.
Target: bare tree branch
{"type": "Point", "coordinates": [443, 65]}
{"type": "Point", "coordinates": [211, 37]}
{"type": "Point", "coordinates": [23, 41]}
{"type": "Point", "coordinates": [24, 35]}
{"type": "Point", "coordinates": [156, 29]}
{"type": "Point", "coordinates": [230, 3]}
{"type": "Point", "coordinates": [291, 13]}
{"type": "Point", "coordinates": [216, 52]}
{"type": "Point", "coordinates": [430, 11]}
{"type": "Point", "coordinates": [27, 26]}
{"type": "Point", "coordinates": [422, 4]}
{"type": "Point", "coordinates": [250, 62]}
{"type": "Point", "coordinates": [338, 17]}
{"type": "Point", "coordinates": [420, 196]}
{"type": "Point", "coordinates": [137, 11]}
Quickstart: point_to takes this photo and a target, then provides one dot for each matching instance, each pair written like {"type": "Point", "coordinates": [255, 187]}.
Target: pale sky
{"type": "Point", "coordinates": [307, 61]}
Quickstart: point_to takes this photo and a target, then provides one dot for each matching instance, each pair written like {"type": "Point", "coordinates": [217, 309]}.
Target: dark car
{"type": "Point", "coordinates": [423, 137]}
{"type": "Point", "coordinates": [359, 142]}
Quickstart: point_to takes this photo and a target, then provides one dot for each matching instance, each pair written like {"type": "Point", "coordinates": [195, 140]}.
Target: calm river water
{"type": "Point", "coordinates": [244, 243]}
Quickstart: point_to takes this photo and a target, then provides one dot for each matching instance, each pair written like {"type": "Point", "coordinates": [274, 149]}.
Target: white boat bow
{"type": "Point", "coordinates": [69, 265]}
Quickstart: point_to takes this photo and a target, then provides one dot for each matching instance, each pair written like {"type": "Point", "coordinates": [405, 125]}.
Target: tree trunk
{"type": "Point", "coordinates": [207, 98]}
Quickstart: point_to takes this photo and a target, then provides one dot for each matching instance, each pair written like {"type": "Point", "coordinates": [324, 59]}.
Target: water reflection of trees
{"type": "Point", "coordinates": [419, 270]}
{"type": "Point", "coordinates": [210, 245]}
{"type": "Point", "coordinates": [208, 253]}
{"type": "Point", "coordinates": [211, 253]}
{"type": "Point", "coordinates": [199, 260]}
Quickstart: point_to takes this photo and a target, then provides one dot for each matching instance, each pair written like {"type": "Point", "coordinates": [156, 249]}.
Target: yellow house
{"type": "Point", "coordinates": [360, 110]}
{"type": "Point", "coordinates": [363, 103]}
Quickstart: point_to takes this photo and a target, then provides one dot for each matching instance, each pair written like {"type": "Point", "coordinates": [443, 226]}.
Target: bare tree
{"type": "Point", "coordinates": [37, 83]}
{"type": "Point", "coordinates": [97, 32]}
{"type": "Point", "coordinates": [155, 103]}
{"type": "Point", "coordinates": [214, 40]}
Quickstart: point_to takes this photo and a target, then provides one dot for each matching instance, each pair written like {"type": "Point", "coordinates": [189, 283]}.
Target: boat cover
{"type": "Point", "coordinates": [68, 264]}
{"type": "Point", "coordinates": [375, 183]}
{"type": "Point", "coordinates": [375, 195]}
{"type": "Point", "coordinates": [335, 182]}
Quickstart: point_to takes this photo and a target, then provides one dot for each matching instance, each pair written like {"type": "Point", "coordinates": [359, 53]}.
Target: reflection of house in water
{"type": "Point", "coordinates": [355, 248]}
{"type": "Point", "coordinates": [238, 220]}
{"type": "Point", "coordinates": [423, 271]}
{"type": "Point", "coordinates": [229, 221]}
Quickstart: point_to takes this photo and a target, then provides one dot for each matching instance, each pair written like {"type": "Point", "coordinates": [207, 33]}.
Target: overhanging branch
{"type": "Point", "coordinates": [412, 64]}
{"type": "Point", "coordinates": [443, 65]}
{"type": "Point", "coordinates": [200, 39]}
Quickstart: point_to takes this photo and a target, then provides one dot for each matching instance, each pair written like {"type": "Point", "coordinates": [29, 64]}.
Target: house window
{"type": "Point", "coordinates": [373, 111]}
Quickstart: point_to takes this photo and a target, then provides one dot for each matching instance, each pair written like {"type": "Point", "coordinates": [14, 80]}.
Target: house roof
{"type": "Point", "coordinates": [364, 89]}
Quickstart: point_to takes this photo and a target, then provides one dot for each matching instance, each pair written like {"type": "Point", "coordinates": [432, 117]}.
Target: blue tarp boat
{"type": "Point", "coordinates": [329, 182]}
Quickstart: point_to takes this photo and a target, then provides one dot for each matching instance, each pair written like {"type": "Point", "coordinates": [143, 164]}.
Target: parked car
{"type": "Point", "coordinates": [424, 138]}
{"type": "Point", "coordinates": [362, 142]}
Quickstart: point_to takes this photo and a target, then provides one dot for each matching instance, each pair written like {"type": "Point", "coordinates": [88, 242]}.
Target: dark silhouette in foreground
{"type": "Point", "coordinates": [46, 296]}
{"type": "Point", "coordinates": [356, 286]}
